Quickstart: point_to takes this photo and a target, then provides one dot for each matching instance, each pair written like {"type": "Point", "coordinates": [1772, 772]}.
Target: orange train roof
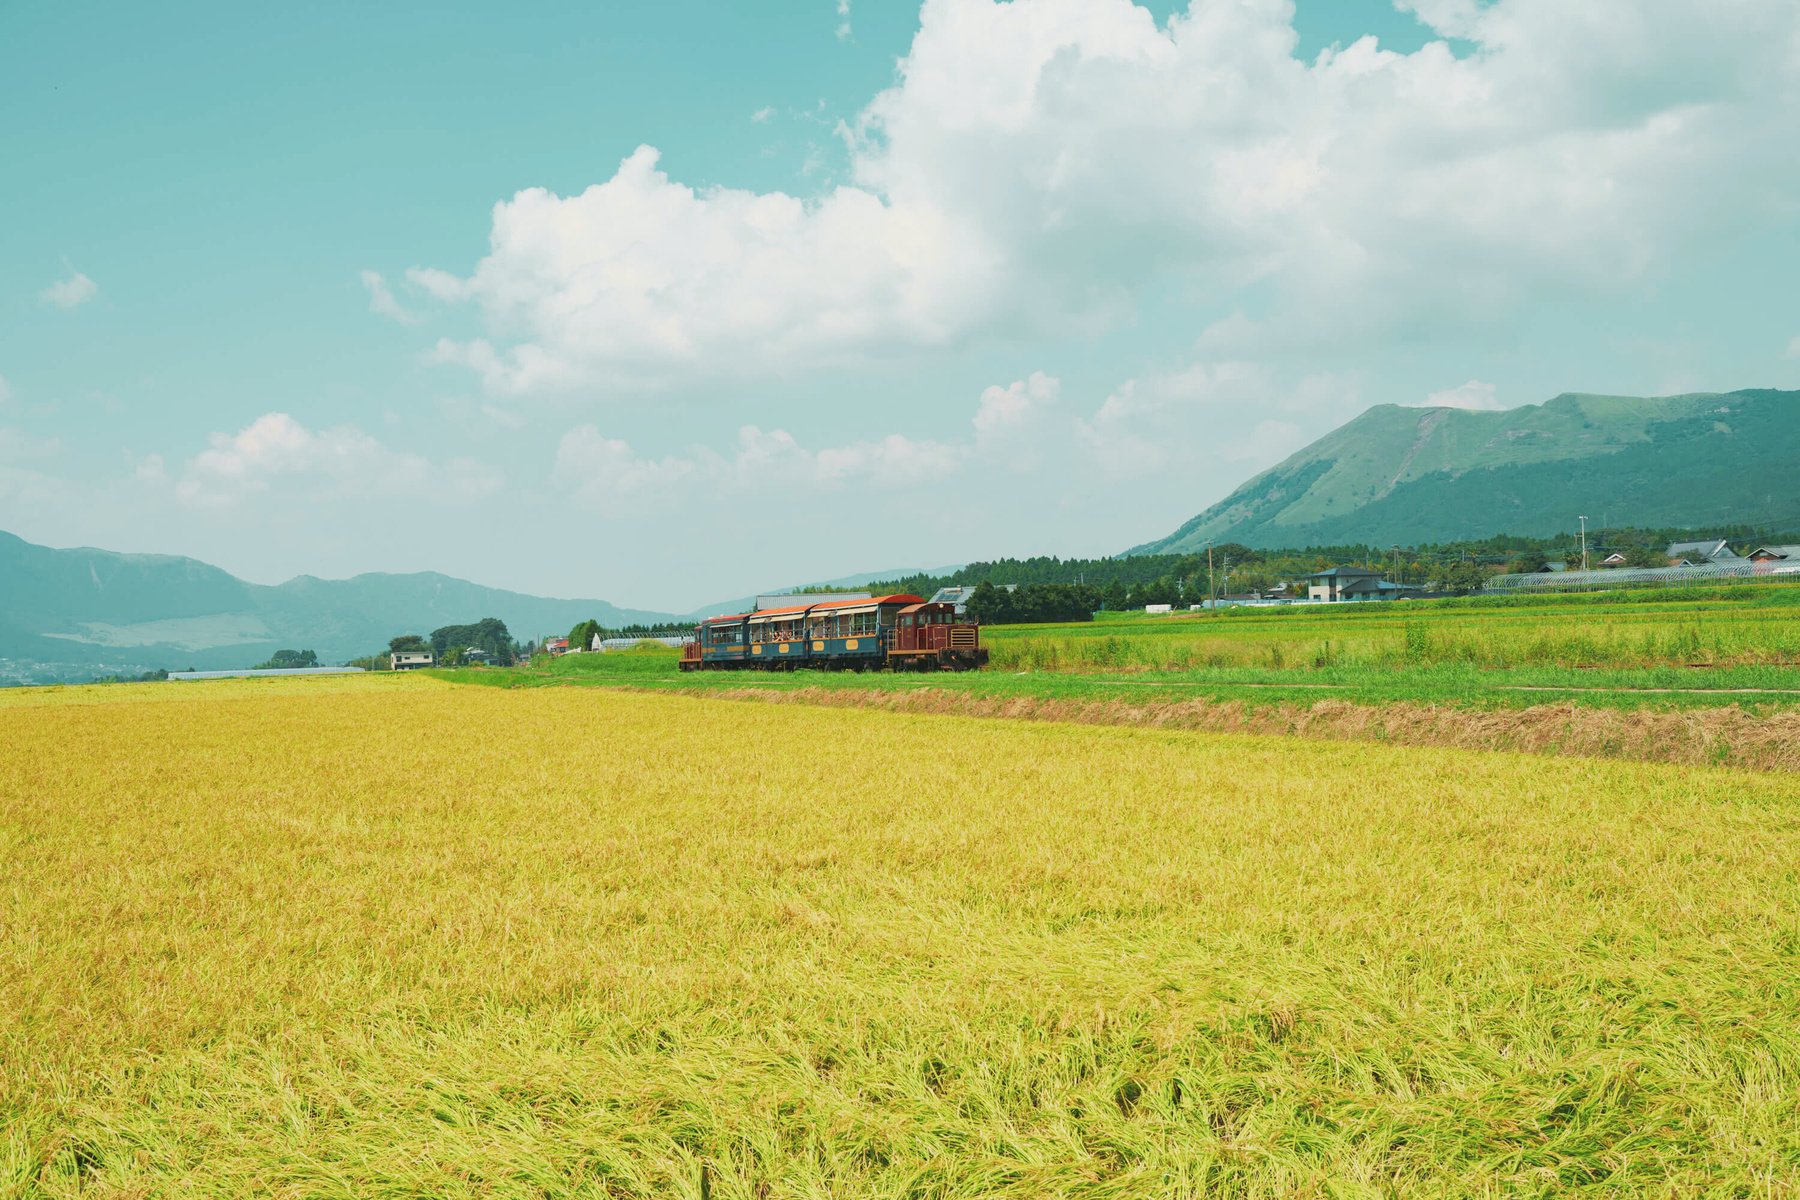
{"type": "Point", "coordinates": [871, 602]}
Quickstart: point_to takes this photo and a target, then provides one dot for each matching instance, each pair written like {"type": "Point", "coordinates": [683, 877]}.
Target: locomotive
{"type": "Point", "coordinates": [900, 633]}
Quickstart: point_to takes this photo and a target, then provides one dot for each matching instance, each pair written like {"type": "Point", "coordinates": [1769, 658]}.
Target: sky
{"type": "Point", "coordinates": [665, 304]}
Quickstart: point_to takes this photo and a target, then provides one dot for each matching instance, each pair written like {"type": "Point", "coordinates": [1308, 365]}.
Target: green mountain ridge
{"type": "Point", "coordinates": [1408, 476]}
{"type": "Point", "coordinates": [69, 614]}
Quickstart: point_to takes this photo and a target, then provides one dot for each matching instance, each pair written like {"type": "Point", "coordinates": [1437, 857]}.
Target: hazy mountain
{"type": "Point", "coordinates": [1409, 475]}
{"type": "Point", "coordinates": [69, 614]}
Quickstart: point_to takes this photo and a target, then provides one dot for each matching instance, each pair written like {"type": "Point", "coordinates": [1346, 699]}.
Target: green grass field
{"type": "Point", "coordinates": [1732, 646]}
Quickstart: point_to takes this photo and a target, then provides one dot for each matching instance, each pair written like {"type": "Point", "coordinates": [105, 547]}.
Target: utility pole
{"type": "Point", "coordinates": [1209, 578]}
{"type": "Point", "coordinates": [1584, 563]}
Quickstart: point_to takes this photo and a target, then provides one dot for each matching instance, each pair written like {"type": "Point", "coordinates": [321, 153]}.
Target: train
{"type": "Point", "coordinates": [901, 632]}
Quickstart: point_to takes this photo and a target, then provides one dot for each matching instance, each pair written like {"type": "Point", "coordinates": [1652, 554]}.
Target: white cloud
{"type": "Point", "coordinates": [5, 390]}
{"type": "Point", "coordinates": [1474, 395]}
{"type": "Point", "coordinates": [441, 284]}
{"type": "Point", "coordinates": [762, 115]}
{"type": "Point", "coordinates": [151, 470]}
{"type": "Point", "coordinates": [72, 292]}
{"type": "Point", "coordinates": [17, 446]}
{"type": "Point", "coordinates": [382, 301]}
{"type": "Point", "coordinates": [276, 449]}
{"type": "Point", "coordinates": [1039, 162]}
{"type": "Point", "coordinates": [1006, 409]}
{"type": "Point", "coordinates": [843, 25]}
{"type": "Point", "coordinates": [600, 470]}
{"type": "Point", "coordinates": [1210, 423]}
{"type": "Point", "coordinates": [1793, 347]}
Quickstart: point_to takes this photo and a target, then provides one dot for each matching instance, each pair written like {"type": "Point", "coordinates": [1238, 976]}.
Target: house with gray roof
{"type": "Point", "coordinates": [1694, 554]}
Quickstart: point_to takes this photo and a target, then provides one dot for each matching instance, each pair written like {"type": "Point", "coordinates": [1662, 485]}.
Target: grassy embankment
{"type": "Point", "coordinates": [379, 937]}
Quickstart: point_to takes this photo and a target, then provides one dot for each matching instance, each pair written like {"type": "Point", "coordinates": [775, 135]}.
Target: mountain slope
{"type": "Point", "coordinates": [1411, 475]}
{"type": "Point", "coordinates": [65, 614]}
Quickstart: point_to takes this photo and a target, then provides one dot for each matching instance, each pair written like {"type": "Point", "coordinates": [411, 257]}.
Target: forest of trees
{"type": "Point", "coordinates": [1132, 582]}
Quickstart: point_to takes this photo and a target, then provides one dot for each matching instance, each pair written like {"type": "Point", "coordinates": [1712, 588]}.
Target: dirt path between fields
{"type": "Point", "coordinates": [1726, 736]}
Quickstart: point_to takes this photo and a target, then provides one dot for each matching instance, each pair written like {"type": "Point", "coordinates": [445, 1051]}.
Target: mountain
{"type": "Point", "coordinates": [72, 614]}
{"type": "Point", "coordinates": [1404, 476]}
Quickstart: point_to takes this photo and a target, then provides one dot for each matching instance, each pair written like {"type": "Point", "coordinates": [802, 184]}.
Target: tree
{"type": "Point", "coordinates": [581, 637]}
{"type": "Point", "coordinates": [488, 634]}
{"type": "Point", "coordinates": [406, 642]}
{"type": "Point", "coordinates": [1528, 563]}
{"type": "Point", "coordinates": [1645, 556]}
{"type": "Point", "coordinates": [289, 660]}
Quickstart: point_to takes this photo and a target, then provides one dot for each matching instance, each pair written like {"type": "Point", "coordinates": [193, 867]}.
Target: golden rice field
{"type": "Point", "coordinates": [392, 937]}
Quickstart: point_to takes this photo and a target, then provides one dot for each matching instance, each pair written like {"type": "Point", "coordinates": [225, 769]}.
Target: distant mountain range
{"type": "Point", "coordinates": [1403, 476]}
{"type": "Point", "coordinates": [72, 614]}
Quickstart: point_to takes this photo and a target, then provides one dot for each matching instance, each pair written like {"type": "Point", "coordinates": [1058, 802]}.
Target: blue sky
{"type": "Point", "coordinates": [667, 303]}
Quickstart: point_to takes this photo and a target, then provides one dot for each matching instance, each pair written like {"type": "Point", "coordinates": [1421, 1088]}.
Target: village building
{"type": "Point", "coordinates": [1353, 583]}
{"type": "Point", "coordinates": [1763, 554]}
{"type": "Point", "coordinates": [1695, 554]}
{"type": "Point", "coordinates": [410, 660]}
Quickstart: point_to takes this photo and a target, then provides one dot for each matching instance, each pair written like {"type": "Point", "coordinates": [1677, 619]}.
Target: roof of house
{"type": "Point", "coordinates": [1346, 573]}
{"type": "Point", "coordinates": [1711, 549]}
{"type": "Point", "coordinates": [1789, 551]}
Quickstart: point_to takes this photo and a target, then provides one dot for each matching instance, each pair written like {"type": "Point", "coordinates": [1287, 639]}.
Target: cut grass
{"type": "Point", "coordinates": [383, 937]}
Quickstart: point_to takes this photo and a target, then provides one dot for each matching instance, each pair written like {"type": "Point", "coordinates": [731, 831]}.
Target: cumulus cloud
{"type": "Point", "coordinates": [1005, 409]}
{"type": "Point", "coordinates": [1039, 162]}
{"type": "Point", "coordinates": [1194, 422]}
{"type": "Point", "coordinates": [598, 470]}
{"type": "Point", "coordinates": [382, 300]}
{"type": "Point", "coordinates": [1474, 395]}
{"type": "Point", "coordinates": [843, 25]}
{"type": "Point", "coordinates": [72, 292]}
{"type": "Point", "coordinates": [276, 450]}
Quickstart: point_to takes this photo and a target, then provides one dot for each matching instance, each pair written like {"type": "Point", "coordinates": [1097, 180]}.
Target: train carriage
{"type": "Point", "coordinates": [778, 637]}
{"type": "Point", "coordinates": [901, 632]}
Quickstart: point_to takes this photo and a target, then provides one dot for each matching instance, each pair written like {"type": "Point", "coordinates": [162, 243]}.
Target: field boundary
{"type": "Point", "coordinates": [1726, 737]}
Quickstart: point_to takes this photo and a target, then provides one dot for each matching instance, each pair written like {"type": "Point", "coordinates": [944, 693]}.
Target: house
{"type": "Point", "coordinates": [410, 660]}
{"type": "Point", "coordinates": [1695, 554]}
{"type": "Point", "coordinates": [1353, 583]}
{"type": "Point", "coordinates": [556, 645]}
{"type": "Point", "coordinates": [1763, 554]}
{"type": "Point", "coordinates": [476, 656]}
{"type": "Point", "coordinates": [1553, 568]}
{"type": "Point", "coordinates": [1615, 559]}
